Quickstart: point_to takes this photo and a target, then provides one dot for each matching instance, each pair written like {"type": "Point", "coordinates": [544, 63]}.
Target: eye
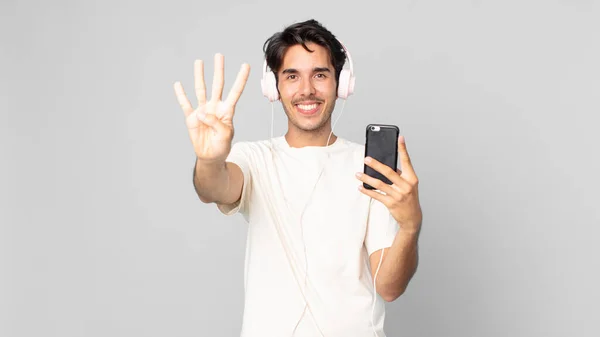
{"type": "Point", "coordinates": [291, 77]}
{"type": "Point", "coordinates": [321, 75]}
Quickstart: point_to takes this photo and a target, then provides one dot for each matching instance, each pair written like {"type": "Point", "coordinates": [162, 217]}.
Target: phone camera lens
{"type": "Point", "coordinates": [372, 128]}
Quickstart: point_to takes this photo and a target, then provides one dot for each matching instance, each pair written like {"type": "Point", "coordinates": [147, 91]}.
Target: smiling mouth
{"type": "Point", "coordinates": [308, 109]}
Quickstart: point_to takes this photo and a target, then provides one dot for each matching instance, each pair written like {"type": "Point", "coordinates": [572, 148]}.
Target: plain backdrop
{"type": "Point", "coordinates": [102, 234]}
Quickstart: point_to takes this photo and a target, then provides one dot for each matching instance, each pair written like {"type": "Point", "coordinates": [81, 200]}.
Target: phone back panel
{"type": "Point", "coordinates": [381, 145]}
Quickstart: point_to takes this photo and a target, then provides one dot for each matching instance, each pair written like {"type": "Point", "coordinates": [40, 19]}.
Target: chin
{"type": "Point", "coordinates": [316, 123]}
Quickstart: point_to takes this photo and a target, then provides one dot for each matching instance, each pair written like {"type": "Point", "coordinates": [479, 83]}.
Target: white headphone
{"type": "Point", "coordinates": [345, 85]}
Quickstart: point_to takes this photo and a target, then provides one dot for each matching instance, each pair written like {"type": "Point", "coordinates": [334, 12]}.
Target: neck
{"type": "Point", "coordinates": [300, 138]}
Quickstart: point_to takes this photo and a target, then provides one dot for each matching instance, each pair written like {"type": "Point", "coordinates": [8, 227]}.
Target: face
{"type": "Point", "coordinates": [307, 87]}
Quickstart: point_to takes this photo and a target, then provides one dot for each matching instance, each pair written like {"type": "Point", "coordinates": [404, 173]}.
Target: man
{"type": "Point", "coordinates": [315, 241]}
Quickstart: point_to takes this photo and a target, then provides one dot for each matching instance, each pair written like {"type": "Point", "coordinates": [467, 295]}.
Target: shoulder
{"type": "Point", "coordinates": [347, 143]}
{"type": "Point", "coordinates": [354, 148]}
{"type": "Point", "coordinates": [249, 145]}
{"type": "Point", "coordinates": [250, 150]}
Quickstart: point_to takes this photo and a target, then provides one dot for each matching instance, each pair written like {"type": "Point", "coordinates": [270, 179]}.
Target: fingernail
{"type": "Point", "coordinates": [358, 174]}
{"type": "Point", "coordinates": [367, 160]}
{"type": "Point", "coordinates": [401, 139]}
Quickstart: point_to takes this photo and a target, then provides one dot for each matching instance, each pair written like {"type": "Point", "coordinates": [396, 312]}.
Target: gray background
{"type": "Point", "coordinates": [102, 234]}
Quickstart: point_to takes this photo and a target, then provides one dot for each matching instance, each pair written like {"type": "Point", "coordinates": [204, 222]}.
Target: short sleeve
{"type": "Point", "coordinates": [239, 155]}
{"type": "Point", "coordinates": [381, 227]}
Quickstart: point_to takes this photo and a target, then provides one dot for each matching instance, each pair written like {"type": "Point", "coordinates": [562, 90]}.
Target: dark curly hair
{"type": "Point", "coordinates": [302, 33]}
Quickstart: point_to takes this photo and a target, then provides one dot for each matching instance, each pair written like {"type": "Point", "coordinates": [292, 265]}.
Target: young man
{"type": "Point", "coordinates": [315, 237]}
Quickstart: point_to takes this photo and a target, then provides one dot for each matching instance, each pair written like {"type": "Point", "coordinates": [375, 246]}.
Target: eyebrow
{"type": "Point", "coordinates": [316, 70]}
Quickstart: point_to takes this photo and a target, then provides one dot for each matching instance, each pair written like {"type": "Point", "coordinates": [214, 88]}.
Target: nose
{"type": "Point", "coordinates": [306, 87]}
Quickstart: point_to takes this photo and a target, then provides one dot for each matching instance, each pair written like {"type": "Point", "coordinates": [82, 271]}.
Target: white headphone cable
{"type": "Point", "coordinates": [286, 249]}
{"type": "Point", "coordinates": [304, 209]}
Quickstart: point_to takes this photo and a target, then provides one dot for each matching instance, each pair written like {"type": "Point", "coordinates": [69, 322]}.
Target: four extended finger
{"type": "Point", "coordinates": [238, 86]}
{"type": "Point", "coordinates": [199, 83]}
{"type": "Point", "coordinates": [184, 102]}
{"type": "Point", "coordinates": [218, 78]}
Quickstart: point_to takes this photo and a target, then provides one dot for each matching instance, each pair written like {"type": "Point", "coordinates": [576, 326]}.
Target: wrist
{"type": "Point", "coordinates": [410, 229]}
{"type": "Point", "coordinates": [204, 164]}
{"type": "Point", "coordinates": [206, 171]}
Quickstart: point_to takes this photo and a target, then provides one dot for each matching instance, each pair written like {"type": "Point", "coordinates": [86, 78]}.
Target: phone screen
{"type": "Point", "coordinates": [381, 143]}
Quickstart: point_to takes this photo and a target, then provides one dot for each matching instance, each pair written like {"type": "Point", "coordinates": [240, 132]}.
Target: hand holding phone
{"type": "Point", "coordinates": [381, 144]}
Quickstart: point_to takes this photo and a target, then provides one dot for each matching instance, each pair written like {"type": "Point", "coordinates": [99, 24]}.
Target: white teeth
{"type": "Point", "coordinates": [307, 107]}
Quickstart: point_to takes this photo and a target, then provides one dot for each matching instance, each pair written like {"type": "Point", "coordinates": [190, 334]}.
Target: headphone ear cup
{"type": "Point", "coordinates": [345, 86]}
{"type": "Point", "coordinates": [269, 86]}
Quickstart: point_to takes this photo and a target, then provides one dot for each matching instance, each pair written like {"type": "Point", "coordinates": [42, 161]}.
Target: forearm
{"type": "Point", "coordinates": [399, 265]}
{"type": "Point", "coordinates": [211, 181]}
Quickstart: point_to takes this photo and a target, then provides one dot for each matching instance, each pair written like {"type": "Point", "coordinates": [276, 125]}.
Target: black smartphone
{"type": "Point", "coordinates": [381, 143]}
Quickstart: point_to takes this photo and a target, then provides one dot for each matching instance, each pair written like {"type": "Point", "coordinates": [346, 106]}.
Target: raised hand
{"type": "Point", "coordinates": [210, 125]}
{"type": "Point", "coordinates": [402, 197]}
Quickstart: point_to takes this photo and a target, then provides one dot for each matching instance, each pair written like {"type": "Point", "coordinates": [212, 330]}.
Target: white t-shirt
{"type": "Point", "coordinates": [327, 233]}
